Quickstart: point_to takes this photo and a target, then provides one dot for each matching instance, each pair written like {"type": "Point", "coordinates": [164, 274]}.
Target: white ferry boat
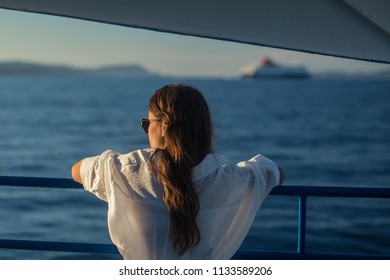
{"type": "Point", "coordinates": [269, 69]}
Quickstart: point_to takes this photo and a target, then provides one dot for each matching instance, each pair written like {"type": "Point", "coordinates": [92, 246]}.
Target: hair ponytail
{"type": "Point", "coordinates": [187, 142]}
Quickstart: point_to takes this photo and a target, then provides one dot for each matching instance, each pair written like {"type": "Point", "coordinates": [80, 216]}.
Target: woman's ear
{"type": "Point", "coordinates": [164, 128]}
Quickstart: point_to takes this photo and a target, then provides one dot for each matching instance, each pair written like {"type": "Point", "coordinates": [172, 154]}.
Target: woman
{"type": "Point", "coordinates": [178, 199]}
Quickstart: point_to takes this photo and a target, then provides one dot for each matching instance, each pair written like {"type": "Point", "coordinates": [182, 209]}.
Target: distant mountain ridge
{"type": "Point", "coordinates": [379, 75]}
{"type": "Point", "coordinates": [36, 69]}
{"type": "Point", "coordinates": [20, 68]}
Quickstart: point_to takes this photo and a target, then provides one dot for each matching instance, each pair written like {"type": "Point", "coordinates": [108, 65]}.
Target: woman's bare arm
{"type": "Point", "coordinates": [76, 172]}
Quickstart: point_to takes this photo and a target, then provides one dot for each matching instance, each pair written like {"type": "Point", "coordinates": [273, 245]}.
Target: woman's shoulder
{"type": "Point", "coordinates": [137, 157]}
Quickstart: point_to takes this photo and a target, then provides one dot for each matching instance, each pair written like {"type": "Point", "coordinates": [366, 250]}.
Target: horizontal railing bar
{"type": "Point", "coordinates": [289, 190]}
{"type": "Point", "coordinates": [58, 246]}
{"type": "Point", "coordinates": [241, 254]}
{"type": "Point", "coordinates": [40, 182]}
{"type": "Point", "coordinates": [316, 191]}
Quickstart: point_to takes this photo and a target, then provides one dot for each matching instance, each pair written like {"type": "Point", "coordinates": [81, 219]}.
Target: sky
{"type": "Point", "coordinates": [56, 40]}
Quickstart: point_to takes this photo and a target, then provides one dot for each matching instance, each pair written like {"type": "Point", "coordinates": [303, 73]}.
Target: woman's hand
{"type": "Point", "coordinates": [76, 172]}
{"type": "Point", "coordinates": [282, 175]}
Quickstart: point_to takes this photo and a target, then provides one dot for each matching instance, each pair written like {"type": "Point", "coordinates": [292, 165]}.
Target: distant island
{"type": "Point", "coordinates": [378, 75]}
{"type": "Point", "coordinates": [21, 68]}
{"type": "Point", "coordinates": [36, 69]}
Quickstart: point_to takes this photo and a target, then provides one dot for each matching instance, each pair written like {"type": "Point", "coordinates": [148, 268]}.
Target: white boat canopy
{"type": "Point", "coordinates": [357, 29]}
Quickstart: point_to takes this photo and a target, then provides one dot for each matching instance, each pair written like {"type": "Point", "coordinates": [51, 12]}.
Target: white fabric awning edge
{"type": "Point", "coordinates": [356, 29]}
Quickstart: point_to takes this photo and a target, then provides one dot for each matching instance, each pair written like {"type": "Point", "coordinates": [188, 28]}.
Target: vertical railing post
{"type": "Point", "coordinates": [302, 224]}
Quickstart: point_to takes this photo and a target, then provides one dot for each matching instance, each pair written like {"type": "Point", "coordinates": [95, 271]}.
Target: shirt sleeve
{"type": "Point", "coordinates": [93, 173]}
{"type": "Point", "coordinates": [258, 176]}
{"type": "Point", "coordinates": [265, 173]}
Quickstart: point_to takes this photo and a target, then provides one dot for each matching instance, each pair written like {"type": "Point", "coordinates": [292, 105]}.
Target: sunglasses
{"type": "Point", "coordinates": [146, 122]}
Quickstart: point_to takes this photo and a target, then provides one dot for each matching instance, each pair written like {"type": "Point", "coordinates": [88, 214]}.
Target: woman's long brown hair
{"type": "Point", "coordinates": [188, 140]}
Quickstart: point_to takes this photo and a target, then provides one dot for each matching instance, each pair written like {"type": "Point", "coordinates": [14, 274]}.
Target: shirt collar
{"type": "Point", "coordinates": [208, 165]}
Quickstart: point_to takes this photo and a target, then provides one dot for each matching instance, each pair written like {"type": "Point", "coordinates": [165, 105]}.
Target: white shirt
{"type": "Point", "coordinates": [138, 219]}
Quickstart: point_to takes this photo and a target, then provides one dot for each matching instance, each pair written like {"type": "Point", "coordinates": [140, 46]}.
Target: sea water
{"type": "Point", "coordinates": [323, 132]}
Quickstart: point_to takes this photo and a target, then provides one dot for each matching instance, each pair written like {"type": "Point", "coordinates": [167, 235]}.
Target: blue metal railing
{"type": "Point", "coordinates": [301, 192]}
